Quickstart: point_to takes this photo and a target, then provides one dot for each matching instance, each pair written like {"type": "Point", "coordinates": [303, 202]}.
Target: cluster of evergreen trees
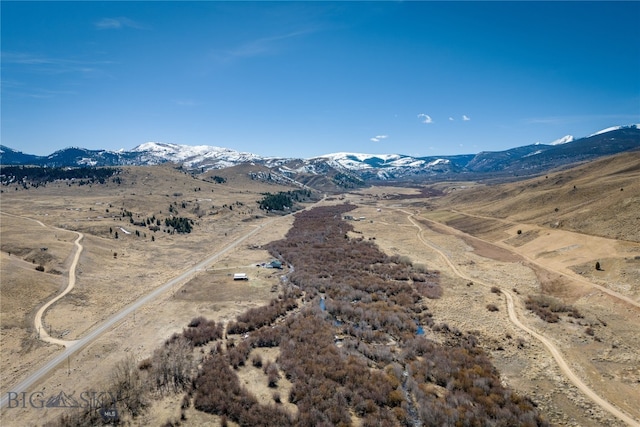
{"type": "Point", "coordinates": [179, 224]}
{"type": "Point", "coordinates": [37, 175]}
{"type": "Point", "coordinates": [347, 181]}
{"type": "Point", "coordinates": [283, 200]}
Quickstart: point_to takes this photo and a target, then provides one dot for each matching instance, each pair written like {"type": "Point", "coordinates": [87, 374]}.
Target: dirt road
{"type": "Point", "coordinates": [604, 243]}
{"type": "Point", "coordinates": [551, 348]}
{"type": "Point", "coordinates": [42, 331]}
{"type": "Point", "coordinates": [75, 346]}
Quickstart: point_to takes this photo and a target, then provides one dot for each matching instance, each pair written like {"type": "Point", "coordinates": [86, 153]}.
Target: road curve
{"type": "Point", "coordinates": [111, 321]}
{"type": "Point", "coordinates": [107, 324]}
{"type": "Point", "coordinates": [42, 331]}
{"type": "Point", "coordinates": [573, 276]}
{"type": "Point", "coordinates": [551, 348]}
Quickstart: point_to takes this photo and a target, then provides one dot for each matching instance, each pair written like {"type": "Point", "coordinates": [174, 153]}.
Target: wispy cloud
{"type": "Point", "coordinates": [257, 47]}
{"type": "Point", "coordinates": [55, 69]}
{"type": "Point", "coordinates": [425, 118]}
{"type": "Point", "coordinates": [20, 89]}
{"type": "Point", "coordinates": [546, 120]}
{"type": "Point", "coordinates": [564, 120]}
{"type": "Point", "coordinates": [51, 64]}
{"type": "Point", "coordinates": [38, 93]}
{"type": "Point", "coordinates": [186, 103]}
{"type": "Point", "coordinates": [379, 138]}
{"type": "Point", "coordinates": [451, 119]}
{"type": "Point", "coordinates": [117, 24]}
{"type": "Point", "coordinates": [466, 118]}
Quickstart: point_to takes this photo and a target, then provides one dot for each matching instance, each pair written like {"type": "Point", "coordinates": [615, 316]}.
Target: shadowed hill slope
{"type": "Point", "coordinates": [600, 198]}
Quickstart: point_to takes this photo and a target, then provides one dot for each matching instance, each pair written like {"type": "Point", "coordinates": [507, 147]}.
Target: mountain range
{"type": "Point", "coordinates": [353, 169]}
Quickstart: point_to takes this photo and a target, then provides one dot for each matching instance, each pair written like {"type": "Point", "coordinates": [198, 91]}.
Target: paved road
{"type": "Point", "coordinates": [553, 350]}
{"type": "Point", "coordinates": [110, 322]}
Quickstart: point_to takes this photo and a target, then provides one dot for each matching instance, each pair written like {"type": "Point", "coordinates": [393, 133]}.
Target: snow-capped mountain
{"type": "Point", "coordinates": [346, 169]}
{"type": "Point", "coordinates": [563, 140]}
{"type": "Point", "coordinates": [611, 129]}
{"type": "Point", "coordinates": [392, 166]}
{"type": "Point", "coordinates": [199, 156]}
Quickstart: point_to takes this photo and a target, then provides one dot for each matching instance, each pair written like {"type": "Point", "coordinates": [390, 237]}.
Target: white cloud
{"type": "Point", "coordinates": [451, 119]}
{"type": "Point", "coordinates": [378, 138]}
{"type": "Point", "coordinates": [465, 118]}
{"type": "Point", "coordinates": [116, 23]}
{"type": "Point", "coordinates": [424, 118]}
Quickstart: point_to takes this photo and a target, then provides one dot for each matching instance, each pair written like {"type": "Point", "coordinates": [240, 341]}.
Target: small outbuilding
{"type": "Point", "coordinates": [240, 276]}
{"type": "Point", "coordinates": [275, 264]}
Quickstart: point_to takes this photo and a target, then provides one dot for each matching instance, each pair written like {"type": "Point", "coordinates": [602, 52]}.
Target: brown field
{"type": "Point", "coordinates": [474, 228]}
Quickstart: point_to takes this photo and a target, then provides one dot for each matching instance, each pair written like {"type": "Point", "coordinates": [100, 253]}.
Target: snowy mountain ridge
{"type": "Point", "coordinates": [351, 168]}
{"type": "Point", "coordinates": [612, 128]}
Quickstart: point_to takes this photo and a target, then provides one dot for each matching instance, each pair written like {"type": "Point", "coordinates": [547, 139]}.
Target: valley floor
{"type": "Point", "coordinates": [472, 253]}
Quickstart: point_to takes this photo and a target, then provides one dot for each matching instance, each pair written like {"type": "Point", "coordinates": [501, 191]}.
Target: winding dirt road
{"type": "Point", "coordinates": [75, 346]}
{"type": "Point", "coordinates": [42, 331]}
{"type": "Point", "coordinates": [570, 274]}
{"type": "Point", "coordinates": [551, 348]}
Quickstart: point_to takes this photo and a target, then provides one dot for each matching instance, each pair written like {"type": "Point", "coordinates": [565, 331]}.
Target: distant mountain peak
{"type": "Point", "coordinates": [360, 156]}
{"type": "Point", "coordinates": [351, 168]}
{"type": "Point", "coordinates": [563, 140]}
{"type": "Point", "coordinates": [192, 156]}
{"type": "Point", "coordinates": [612, 128]}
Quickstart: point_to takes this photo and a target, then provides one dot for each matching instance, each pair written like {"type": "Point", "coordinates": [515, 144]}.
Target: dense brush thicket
{"type": "Point", "coordinates": [350, 329]}
{"type": "Point", "coordinates": [548, 307]}
{"type": "Point", "coordinates": [355, 347]}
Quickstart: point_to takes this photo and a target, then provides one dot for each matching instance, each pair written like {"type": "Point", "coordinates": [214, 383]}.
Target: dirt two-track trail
{"type": "Point", "coordinates": [37, 323]}
{"type": "Point", "coordinates": [74, 346]}
{"type": "Point", "coordinates": [513, 317]}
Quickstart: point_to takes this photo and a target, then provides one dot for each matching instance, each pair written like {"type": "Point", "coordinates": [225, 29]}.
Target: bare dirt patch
{"type": "Point", "coordinates": [522, 238]}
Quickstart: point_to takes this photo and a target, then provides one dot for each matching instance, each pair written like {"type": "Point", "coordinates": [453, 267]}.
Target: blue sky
{"type": "Point", "coordinates": [301, 79]}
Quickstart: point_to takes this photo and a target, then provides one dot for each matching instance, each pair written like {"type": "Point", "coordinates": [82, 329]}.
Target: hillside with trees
{"type": "Point", "coordinates": [37, 175]}
{"type": "Point", "coordinates": [283, 200]}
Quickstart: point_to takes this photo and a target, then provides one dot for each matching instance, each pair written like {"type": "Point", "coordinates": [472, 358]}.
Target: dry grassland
{"type": "Point", "coordinates": [113, 273]}
{"type": "Point", "coordinates": [607, 361]}
{"type": "Point", "coordinates": [475, 227]}
{"type": "Point", "coordinates": [512, 237]}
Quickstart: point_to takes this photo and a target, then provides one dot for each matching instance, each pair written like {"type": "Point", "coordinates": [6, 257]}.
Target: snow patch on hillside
{"type": "Point", "coordinates": [358, 156]}
{"type": "Point", "coordinates": [193, 156]}
{"type": "Point", "coordinates": [612, 128]}
{"type": "Point", "coordinates": [563, 140]}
